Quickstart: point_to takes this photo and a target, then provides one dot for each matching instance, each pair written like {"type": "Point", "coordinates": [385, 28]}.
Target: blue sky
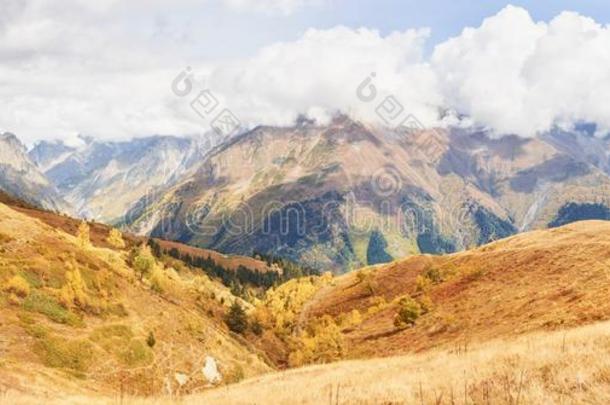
{"type": "Point", "coordinates": [447, 18]}
{"type": "Point", "coordinates": [242, 32]}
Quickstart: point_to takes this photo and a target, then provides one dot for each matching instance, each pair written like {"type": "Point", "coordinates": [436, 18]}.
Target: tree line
{"type": "Point", "coordinates": [242, 276]}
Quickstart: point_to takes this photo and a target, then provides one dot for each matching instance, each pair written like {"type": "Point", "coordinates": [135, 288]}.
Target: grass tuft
{"type": "Point", "coordinates": [48, 306]}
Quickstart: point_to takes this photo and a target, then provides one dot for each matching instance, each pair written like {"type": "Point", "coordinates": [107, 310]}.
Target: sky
{"type": "Point", "coordinates": [108, 68]}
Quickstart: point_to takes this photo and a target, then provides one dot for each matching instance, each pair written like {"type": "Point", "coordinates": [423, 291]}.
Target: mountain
{"type": "Point", "coordinates": [347, 194]}
{"type": "Point", "coordinates": [47, 154]}
{"type": "Point", "coordinates": [20, 177]}
{"type": "Point", "coordinates": [102, 180]}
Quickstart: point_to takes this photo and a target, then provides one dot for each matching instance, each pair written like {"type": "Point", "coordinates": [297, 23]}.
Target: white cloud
{"type": "Point", "coordinates": [518, 76]}
{"type": "Point", "coordinates": [101, 69]}
{"type": "Point", "coordinates": [271, 6]}
{"type": "Point", "coordinates": [320, 73]}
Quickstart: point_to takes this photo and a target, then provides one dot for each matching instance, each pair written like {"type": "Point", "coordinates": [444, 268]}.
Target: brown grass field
{"type": "Point", "coordinates": [567, 367]}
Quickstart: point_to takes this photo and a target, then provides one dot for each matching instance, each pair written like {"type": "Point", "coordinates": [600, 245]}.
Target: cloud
{"type": "Point", "coordinates": [320, 73]}
{"type": "Point", "coordinates": [511, 74]}
{"type": "Point", "coordinates": [515, 75]}
{"type": "Point", "coordinates": [73, 68]}
{"type": "Point", "coordinates": [272, 6]}
{"type": "Point", "coordinates": [103, 69]}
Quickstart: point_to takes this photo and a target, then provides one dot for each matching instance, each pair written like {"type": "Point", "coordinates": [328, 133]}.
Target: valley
{"type": "Point", "coordinates": [240, 202]}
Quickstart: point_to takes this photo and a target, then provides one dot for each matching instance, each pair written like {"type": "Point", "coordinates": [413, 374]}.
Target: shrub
{"type": "Point", "coordinates": [362, 275]}
{"type": "Point", "coordinates": [434, 275]}
{"type": "Point", "coordinates": [143, 261]}
{"type": "Point", "coordinates": [426, 304]}
{"type": "Point", "coordinates": [159, 281]}
{"type": "Point", "coordinates": [57, 352]}
{"type": "Point", "coordinates": [18, 286]}
{"type": "Point", "coordinates": [371, 286]}
{"type": "Point", "coordinates": [257, 327]}
{"type": "Point", "coordinates": [366, 278]}
{"type": "Point", "coordinates": [74, 291]}
{"type": "Point", "coordinates": [322, 343]}
{"type": "Point", "coordinates": [235, 375]}
{"type": "Point", "coordinates": [377, 304]}
{"type": "Point", "coordinates": [408, 312]}
{"type": "Point", "coordinates": [296, 358]}
{"type": "Point", "coordinates": [476, 274]}
{"type": "Point", "coordinates": [422, 283]}
{"type": "Point", "coordinates": [236, 319]}
{"type": "Point", "coordinates": [150, 340]}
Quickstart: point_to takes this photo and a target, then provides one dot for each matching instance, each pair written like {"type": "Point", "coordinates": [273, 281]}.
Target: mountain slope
{"type": "Point", "coordinates": [20, 177]}
{"type": "Point", "coordinates": [346, 195]}
{"type": "Point", "coordinates": [541, 280]}
{"type": "Point", "coordinates": [76, 315]}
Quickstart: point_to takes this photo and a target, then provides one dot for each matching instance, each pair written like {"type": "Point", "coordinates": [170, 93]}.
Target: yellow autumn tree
{"type": "Point", "coordinates": [74, 292]}
{"type": "Point", "coordinates": [83, 235]}
{"type": "Point", "coordinates": [322, 342]}
{"type": "Point", "coordinates": [115, 239]}
{"type": "Point", "coordinates": [144, 261]}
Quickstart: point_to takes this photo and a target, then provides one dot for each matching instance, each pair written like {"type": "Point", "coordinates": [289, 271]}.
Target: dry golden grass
{"type": "Point", "coordinates": [566, 367]}
{"type": "Point", "coordinates": [492, 334]}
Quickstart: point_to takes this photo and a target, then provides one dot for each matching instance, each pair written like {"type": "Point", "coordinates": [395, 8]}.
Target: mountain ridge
{"type": "Point", "coordinates": [452, 188]}
{"type": "Point", "coordinates": [20, 177]}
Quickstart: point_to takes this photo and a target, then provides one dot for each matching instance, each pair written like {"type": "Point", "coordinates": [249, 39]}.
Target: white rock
{"type": "Point", "coordinates": [181, 378]}
{"type": "Point", "coordinates": [210, 371]}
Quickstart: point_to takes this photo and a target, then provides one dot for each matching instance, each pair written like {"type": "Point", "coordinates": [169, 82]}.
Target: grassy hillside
{"type": "Point", "coordinates": [543, 280]}
{"type": "Point", "coordinates": [229, 262]}
{"type": "Point", "coordinates": [516, 321]}
{"type": "Point", "coordinates": [81, 317]}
